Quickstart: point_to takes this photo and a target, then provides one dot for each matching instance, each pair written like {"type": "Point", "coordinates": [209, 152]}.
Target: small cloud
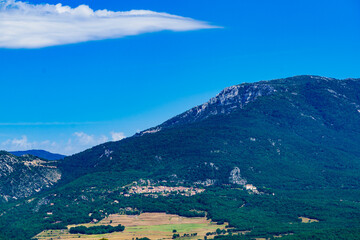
{"type": "Point", "coordinates": [43, 123]}
{"type": "Point", "coordinates": [103, 139]}
{"type": "Point", "coordinates": [83, 138]}
{"type": "Point", "coordinates": [117, 136]}
{"type": "Point", "coordinates": [25, 25]}
{"type": "Point", "coordinates": [21, 143]}
{"type": "Point", "coordinates": [89, 140]}
{"type": "Point", "coordinates": [77, 142]}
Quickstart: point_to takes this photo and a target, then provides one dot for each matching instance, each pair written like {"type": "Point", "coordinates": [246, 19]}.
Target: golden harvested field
{"type": "Point", "coordinates": [151, 225]}
{"type": "Point", "coordinates": [308, 220]}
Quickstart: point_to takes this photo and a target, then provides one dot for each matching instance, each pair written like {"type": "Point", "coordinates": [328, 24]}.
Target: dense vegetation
{"type": "Point", "coordinates": [274, 141]}
{"type": "Point", "coordinates": [299, 147]}
{"type": "Point", "coordinates": [263, 215]}
{"type": "Point", "coordinates": [101, 229]}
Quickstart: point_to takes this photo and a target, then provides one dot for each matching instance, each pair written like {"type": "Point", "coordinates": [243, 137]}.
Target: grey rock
{"type": "Point", "coordinates": [235, 177]}
{"type": "Point", "coordinates": [23, 176]}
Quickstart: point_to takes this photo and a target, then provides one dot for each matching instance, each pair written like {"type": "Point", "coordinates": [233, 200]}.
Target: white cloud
{"type": "Point", "coordinates": [19, 144]}
{"type": "Point", "coordinates": [89, 140]}
{"type": "Point", "coordinates": [24, 25]}
{"type": "Point", "coordinates": [77, 142]}
{"type": "Point", "coordinates": [43, 123]}
{"type": "Point", "coordinates": [84, 139]}
{"type": "Point", "coordinates": [117, 136]}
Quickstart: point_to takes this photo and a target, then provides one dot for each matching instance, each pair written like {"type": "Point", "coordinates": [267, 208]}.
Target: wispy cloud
{"type": "Point", "coordinates": [89, 140]}
{"type": "Point", "coordinates": [24, 25]}
{"type": "Point", "coordinates": [116, 136]}
{"type": "Point", "coordinates": [44, 123]}
{"type": "Point", "coordinates": [24, 144]}
{"type": "Point", "coordinates": [77, 142]}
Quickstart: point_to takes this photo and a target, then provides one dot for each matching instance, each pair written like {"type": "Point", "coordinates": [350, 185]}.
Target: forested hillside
{"type": "Point", "coordinates": [302, 135]}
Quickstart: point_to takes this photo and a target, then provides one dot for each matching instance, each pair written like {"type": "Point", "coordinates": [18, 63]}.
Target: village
{"type": "Point", "coordinates": [155, 191]}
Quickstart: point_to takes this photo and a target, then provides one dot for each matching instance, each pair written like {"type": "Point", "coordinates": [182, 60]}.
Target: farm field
{"type": "Point", "coordinates": [151, 225]}
{"type": "Point", "coordinates": [308, 220]}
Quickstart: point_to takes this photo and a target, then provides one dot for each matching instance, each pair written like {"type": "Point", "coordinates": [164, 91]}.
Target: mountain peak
{"type": "Point", "coordinates": [237, 97]}
{"type": "Point", "coordinates": [227, 101]}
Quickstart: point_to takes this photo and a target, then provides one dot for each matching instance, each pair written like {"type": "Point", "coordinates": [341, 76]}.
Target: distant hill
{"type": "Point", "coordinates": [40, 153]}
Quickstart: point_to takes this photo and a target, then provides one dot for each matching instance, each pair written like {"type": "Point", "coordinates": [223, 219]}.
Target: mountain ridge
{"type": "Point", "coordinates": [233, 97]}
{"type": "Point", "coordinates": [296, 102]}
{"type": "Point", "coordinates": [39, 153]}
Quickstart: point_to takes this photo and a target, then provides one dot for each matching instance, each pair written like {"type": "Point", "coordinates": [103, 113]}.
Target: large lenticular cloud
{"type": "Point", "coordinates": [23, 25]}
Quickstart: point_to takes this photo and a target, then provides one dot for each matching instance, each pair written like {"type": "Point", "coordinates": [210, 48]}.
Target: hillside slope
{"type": "Point", "coordinates": [23, 176]}
{"type": "Point", "coordinates": [298, 132]}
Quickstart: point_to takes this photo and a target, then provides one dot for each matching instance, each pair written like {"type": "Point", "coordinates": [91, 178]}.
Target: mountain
{"type": "Point", "coordinates": [39, 153]}
{"type": "Point", "coordinates": [292, 133]}
{"type": "Point", "coordinates": [227, 101]}
{"type": "Point", "coordinates": [23, 176]}
{"type": "Point", "coordinates": [257, 156]}
{"type": "Point", "coordinates": [239, 96]}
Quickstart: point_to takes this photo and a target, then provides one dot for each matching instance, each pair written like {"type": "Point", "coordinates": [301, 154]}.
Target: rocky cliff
{"type": "Point", "coordinates": [23, 176]}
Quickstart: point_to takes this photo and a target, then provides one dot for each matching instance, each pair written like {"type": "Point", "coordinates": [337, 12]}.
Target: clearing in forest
{"type": "Point", "coordinates": [308, 220]}
{"type": "Point", "coordinates": [151, 225]}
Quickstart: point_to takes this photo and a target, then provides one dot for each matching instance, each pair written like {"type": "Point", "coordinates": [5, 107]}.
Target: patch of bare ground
{"type": "Point", "coordinates": [308, 220]}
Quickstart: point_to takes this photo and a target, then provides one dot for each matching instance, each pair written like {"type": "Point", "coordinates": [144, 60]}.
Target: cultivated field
{"type": "Point", "coordinates": [308, 220]}
{"type": "Point", "coordinates": [151, 225]}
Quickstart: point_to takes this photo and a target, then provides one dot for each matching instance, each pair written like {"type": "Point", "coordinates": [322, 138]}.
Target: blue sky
{"type": "Point", "coordinates": [68, 97]}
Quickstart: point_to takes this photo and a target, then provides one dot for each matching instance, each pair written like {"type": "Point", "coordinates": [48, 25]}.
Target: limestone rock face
{"type": "Point", "coordinates": [235, 177]}
{"type": "Point", "coordinates": [228, 100]}
{"type": "Point", "coordinates": [23, 176]}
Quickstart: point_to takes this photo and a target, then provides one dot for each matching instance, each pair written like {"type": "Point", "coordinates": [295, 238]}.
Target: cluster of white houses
{"type": "Point", "coordinates": [163, 191]}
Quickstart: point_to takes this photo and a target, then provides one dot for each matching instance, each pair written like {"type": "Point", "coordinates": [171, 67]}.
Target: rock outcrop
{"type": "Point", "coordinates": [228, 100]}
{"type": "Point", "coordinates": [23, 176]}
